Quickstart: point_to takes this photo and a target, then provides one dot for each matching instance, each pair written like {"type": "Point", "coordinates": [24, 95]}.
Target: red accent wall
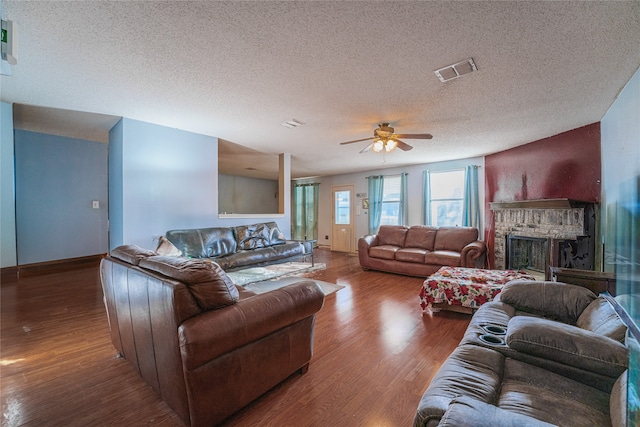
{"type": "Point", "coordinates": [567, 165]}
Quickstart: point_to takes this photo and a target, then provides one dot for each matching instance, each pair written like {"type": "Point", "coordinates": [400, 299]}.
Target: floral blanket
{"type": "Point", "coordinates": [468, 287]}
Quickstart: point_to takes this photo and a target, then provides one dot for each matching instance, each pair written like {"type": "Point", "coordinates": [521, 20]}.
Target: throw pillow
{"type": "Point", "coordinates": [165, 247]}
{"type": "Point", "coordinates": [252, 236]}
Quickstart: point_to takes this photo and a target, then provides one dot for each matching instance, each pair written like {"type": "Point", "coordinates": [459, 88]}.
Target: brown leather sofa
{"type": "Point", "coordinates": [543, 353]}
{"type": "Point", "coordinates": [421, 250]}
{"type": "Point", "coordinates": [239, 246]}
{"type": "Point", "coordinates": [204, 345]}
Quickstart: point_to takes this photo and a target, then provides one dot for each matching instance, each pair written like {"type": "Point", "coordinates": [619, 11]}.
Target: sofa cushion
{"type": "Point", "coordinates": [420, 236]}
{"type": "Point", "coordinates": [601, 318]}
{"type": "Point", "coordinates": [275, 235]}
{"type": "Point", "coordinates": [567, 344]}
{"type": "Point", "coordinates": [468, 412]}
{"type": "Point", "coordinates": [454, 238]}
{"type": "Point", "coordinates": [131, 254]}
{"type": "Point", "coordinates": [554, 300]}
{"type": "Point", "coordinates": [411, 255]}
{"type": "Point", "coordinates": [252, 236]}
{"type": "Point", "coordinates": [203, 242]}
{"type": "Point", "coordinates": [383, 251]}
{"type": "Point", "coordinates": [533, 391]}
{"type": "Point", "coordinates": [207, 282]}
{"type": "Point", "coordinates": [470, 371]}
{"type": "Point", "coordinates": [393, 235]}
{"type": "Point", "coordinates": [448, 258]}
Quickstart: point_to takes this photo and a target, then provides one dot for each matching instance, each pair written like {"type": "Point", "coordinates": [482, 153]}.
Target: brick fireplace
{"type": "Point", "coordinates": [538, 234]}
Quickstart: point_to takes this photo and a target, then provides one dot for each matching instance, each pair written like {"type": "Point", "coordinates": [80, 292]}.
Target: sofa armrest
{"type": "Point", "coordinates": [216, 332]}
{"type": "Point", "coordinates": [365, 242]}
{"type": "Point", "coordinates": [468, 412]}
{"type": "Point", "coordinates": [553, 300]}
{"type": "Point", "coordinates": [473, 254]}
{"type": "Point", "coordinates": [567, 344]}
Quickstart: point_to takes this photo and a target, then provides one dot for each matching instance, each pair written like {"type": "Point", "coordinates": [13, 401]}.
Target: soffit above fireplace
{"type": "Point", "coordinates": [539, 204]}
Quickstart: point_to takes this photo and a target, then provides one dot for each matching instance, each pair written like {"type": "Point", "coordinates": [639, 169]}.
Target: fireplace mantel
{"type": "Point", "coordinates": [539, 204]}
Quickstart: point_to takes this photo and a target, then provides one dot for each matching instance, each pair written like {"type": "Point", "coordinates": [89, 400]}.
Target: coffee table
{"type": "Point", "coordinates": [465, 289]}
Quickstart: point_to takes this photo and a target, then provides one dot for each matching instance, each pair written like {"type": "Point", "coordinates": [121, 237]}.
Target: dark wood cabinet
{"type": "Point", "coordinates": [595, 281]}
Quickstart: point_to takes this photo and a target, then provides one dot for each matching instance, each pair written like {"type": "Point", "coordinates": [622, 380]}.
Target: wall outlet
{"type": "Point", "coordinates": [326, 237]}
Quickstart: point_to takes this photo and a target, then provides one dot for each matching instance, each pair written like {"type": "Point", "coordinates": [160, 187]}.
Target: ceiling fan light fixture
{"type": "Point", "coordinates": [390, 145]}
{"type": "Point", "coordinates": [378, 145]}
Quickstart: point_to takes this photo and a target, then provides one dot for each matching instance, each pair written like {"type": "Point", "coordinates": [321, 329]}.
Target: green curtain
{"type": "Point", "coordinates": [471, 203]}
{"type": "Point", "coordinates": [376, 192]}
{"type": "Point", "coordinates": [426, 197]}
{"type": "Point", "coordinates": [403, 211]}
{"type": "Point", "coordinates": [304, 224]}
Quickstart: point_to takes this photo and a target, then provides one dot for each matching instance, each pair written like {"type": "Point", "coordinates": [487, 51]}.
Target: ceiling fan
{"type": "Point", "coordinates": [384, 139]}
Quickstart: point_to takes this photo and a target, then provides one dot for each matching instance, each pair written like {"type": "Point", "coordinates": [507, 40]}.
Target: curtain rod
{"type": "Point", "coordinates": [394, 174]}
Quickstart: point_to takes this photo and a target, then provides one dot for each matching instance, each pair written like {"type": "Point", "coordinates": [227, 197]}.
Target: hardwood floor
{"type": "Point", "coordinates": [374, 354]}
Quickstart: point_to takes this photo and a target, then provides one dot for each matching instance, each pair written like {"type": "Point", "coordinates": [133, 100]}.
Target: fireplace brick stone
{"type": "Point", "coordinates": [561, 224]}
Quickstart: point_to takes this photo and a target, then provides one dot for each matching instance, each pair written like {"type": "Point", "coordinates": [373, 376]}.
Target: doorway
{"type": "Point", "coordinates": [342, 228]}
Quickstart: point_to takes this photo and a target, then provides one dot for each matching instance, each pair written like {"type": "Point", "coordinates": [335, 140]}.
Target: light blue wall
{"type": "Point", "coordinates": [7, 189]}
{"type": "Point", "coordinates": [160, 178]}
{"type": "Point", "coordinates": [57, 178]}
{"type": "Point", "coordinates": [359, 180]}
{"type": "Point", "coordinates": [116, 188]}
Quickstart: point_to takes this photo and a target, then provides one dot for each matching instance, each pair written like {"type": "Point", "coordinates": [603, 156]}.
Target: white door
{"type": "Point", "coordinates": [342, 230]}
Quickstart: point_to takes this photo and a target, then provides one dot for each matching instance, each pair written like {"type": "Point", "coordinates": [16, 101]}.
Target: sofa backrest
{"type": "Point", "coordinates": [147, 298]}
{"type": "Point", "coordinates": [204, 242]}
{"type": "Point", "coordinates": [144, 310]}
{"type": "Point", "coordinates": [392, 235]}
{"type": "Point", "coordinates": [454, 238]}
{"type": "Point", "coordinates": [421, 236]}
{"type": "Point", "coordinates": [600, 317]}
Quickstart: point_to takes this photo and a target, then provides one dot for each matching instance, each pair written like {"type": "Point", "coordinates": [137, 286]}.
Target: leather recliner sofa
{"type": "Point", "coordinates": [239, 246]}
{"type": "Point", "coordinates": [543, 353]}
{"type": "Point", "coordinates": [205, 346]}
{"type": "Point", "coordinates": [421, 250]}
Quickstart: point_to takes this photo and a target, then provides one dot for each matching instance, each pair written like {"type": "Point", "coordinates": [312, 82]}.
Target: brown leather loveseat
{"type": "Point", "coordinates": [420, 250]}
{"type": "Point", "coordinates": [204, 345]}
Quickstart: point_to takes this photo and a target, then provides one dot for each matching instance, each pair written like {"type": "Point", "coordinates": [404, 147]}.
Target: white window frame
{"type": "Point", "coordinates": [432, 219]}
{"type": "Point", "coordinates": [397, 189]}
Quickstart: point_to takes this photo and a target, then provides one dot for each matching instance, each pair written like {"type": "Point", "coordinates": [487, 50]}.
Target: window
{"type": "Point", "coordinates": [343, 207]}
{"type": "Point", "coordinates": [446, 198]}
{"type": "Point", "coordinates": [391, 201]}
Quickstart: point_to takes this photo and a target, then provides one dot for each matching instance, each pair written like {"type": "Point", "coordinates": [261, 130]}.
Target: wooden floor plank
{"type": "Point", "coordinates": [374, 355]}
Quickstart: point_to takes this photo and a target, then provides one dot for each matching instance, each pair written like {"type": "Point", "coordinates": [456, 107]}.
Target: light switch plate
{"type": "Point", "coordinates": [95, 204]}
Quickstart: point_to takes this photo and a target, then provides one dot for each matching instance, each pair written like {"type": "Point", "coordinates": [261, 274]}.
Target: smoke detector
{"type": "Point", "coordinates": [454, 71]}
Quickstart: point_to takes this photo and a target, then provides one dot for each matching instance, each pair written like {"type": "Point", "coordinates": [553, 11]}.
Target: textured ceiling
{"type": "Point", "coordinates": [236, 70]}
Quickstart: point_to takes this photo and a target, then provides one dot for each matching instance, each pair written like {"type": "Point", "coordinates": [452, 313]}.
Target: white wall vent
{"type": "Point", "coordinates": [454, 71]}
{"type": "Point", "coordinates": [292, 123]}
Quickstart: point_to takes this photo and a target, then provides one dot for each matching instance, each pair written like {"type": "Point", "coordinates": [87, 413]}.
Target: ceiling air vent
{"type": "Point", "coordinates": [456, 70]}
{"type": "Point", "coordinates": [293, 123]}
